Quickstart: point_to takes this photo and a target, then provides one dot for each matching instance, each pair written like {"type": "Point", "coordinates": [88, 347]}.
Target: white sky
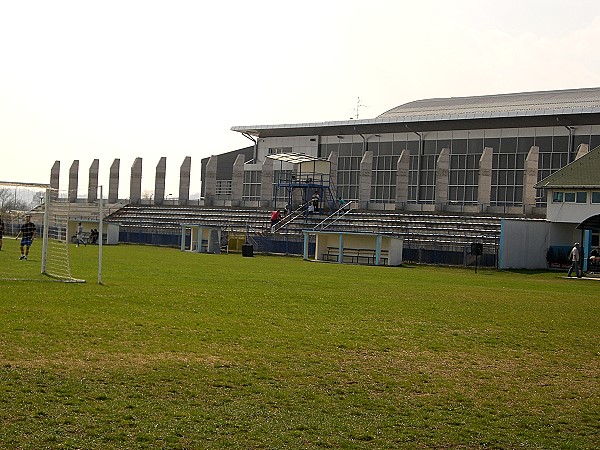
{"type": "Point", "coordinates": [126, 79]}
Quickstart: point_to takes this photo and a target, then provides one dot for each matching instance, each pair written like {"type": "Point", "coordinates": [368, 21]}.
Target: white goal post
{"type": "Point", "coordinates": [19, 200]}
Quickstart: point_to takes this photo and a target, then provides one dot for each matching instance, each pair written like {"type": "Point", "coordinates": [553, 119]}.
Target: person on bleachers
{"type": "Point", "coordinates": [275, 218]}
{"type": "Point", "coordinates": [315, 201]}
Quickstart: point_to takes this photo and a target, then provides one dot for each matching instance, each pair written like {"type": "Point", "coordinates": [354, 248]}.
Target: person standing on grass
{"type": "Point", "coordinates": [1, 232]}
{"type": "Point", "coordinates": [79, 237]}
{"type": "Point", "coordinates": [574, 257]}
{"type": "Point", "coordinates": [27, 234]}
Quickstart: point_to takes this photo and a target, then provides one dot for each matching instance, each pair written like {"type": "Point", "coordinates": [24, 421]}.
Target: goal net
{"type": "Point", "coordinates": [46, 242]}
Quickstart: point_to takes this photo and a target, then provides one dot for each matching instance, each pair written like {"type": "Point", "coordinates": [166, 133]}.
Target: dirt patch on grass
{"type": "Point", "coordinates": [115, 361]}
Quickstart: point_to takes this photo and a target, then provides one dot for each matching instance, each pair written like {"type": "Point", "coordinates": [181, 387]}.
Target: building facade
{"type": "Point", "coordinates": [472, 154]}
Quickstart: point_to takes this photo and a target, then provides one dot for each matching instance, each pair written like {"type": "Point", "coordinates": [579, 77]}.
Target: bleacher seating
{"type": "Point", "coordinates": [414, 228]}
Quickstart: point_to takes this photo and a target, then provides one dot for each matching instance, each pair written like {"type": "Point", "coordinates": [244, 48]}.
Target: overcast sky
{"type": "Point", "coordinates": [126, 79]}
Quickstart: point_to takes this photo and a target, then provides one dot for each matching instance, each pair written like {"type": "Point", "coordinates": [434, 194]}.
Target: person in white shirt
{"type": "Point", "coordinates": [574, 257]}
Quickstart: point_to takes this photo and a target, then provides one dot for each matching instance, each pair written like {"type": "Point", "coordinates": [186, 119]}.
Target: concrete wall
{"type": "Point", "coordinates": [523, 244]}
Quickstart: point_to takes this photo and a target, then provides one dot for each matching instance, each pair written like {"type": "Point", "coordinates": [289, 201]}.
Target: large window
{"type": "Point", "coordinates": [510, 150]}
{"type": "Point", "coordinates": [282, 193]}
{"type": "Point", "coordinates": [383, 182]}
{"type": "Point", "coordinates": [223, 189]}
{"type": "Point", "coordinates": [553, 155]}
{"type": "Point", "coordinates": [427, 188]}
{"type": "Point", "coordinates": [507, 179]}
{"type": "Point", "coordinates": [252, 180]}
{"type": "Point", "coordinates": [349, 157]}
{"type": "Point", "coordinates": [464, 177]}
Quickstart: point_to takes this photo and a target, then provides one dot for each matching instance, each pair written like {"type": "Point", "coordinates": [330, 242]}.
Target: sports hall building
{"type": "Point", "coordinates": [481, 155]}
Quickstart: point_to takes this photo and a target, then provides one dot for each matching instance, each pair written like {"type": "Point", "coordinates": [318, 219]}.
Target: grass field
{"type": "Point", "coordinates": [180, 350]}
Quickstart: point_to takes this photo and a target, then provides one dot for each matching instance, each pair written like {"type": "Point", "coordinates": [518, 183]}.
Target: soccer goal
{"type": "Point", "coordinates": [35, 213]}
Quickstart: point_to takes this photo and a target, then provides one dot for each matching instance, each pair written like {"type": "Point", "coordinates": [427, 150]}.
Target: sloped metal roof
{"type": "Point", "coordinates": [529, 109]}
{"type": "Point", "coordinates": [573, 101]}
{"type": "Point", "coordinates": [583, 173]}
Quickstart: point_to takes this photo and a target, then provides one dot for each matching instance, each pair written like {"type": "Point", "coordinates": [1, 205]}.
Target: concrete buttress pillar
{"type": "Point", "coordinates": [55, 180]}
{"type": "Point", "coordinates": [159, 181]}
{"type": "Point", "coordinates": [442, 178]}
{"type": "Point", "coordinates": [402, 170]}
{"type": "Point", "coordinates": [135, 182]}
{"type": "Point", "coordinates": [583, 149]}
{"type": "Point", "coordinates": [93, 182]}
{"type": "Point", "coordinates": [113, 181]}
{"type": "Point", "coordinates": [237, 181]}
{"type": "Point", "coordinates": [530, 179]}
{"type": "Point", "coordinates": [484, 181]}
{"type": "Point", "coordinates": [210, 184]}
{"type": "Point", "coordinates": [364, 181]}
{"type": "Point", "coordinates": [184, 180]}
{"type": "Point", "coordinates": [73, 181]}
{"type": "Point", "coordinates": [266, 185]}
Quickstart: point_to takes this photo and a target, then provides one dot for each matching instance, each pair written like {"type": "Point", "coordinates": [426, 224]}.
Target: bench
{"type": "Point", "coordinates": [356, 255]}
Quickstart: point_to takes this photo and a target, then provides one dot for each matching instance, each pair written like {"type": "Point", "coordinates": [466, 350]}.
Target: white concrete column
{"type": "Point", "coordinates": [93, 182]}
{"type": "Point", "coordinates": [365, 177]}
{"type": "Point", "coordinates": [266, 185]}
{"type": "Point", "coordinates": [237, 181]}
{"type": "Point", "coordinates": [73, 180]}
{"type": "Point", "coordinates": [159, 181]}
{"type": "Point", "coordinates": [210, 184]}
{"type": "Point", "coordinates": [135, 182]}
{"type": "Point", "coordinates": [113, 181]}
{"type": "Point", "coordinates": [583, 149]}
{"type": "Point", "coordinates": [184, 180]}
{"type": "Point", "coordinates": [442, 179]}
{"type": "Point", "coordinates": [484, 182]}
{"type": "Point", "coordinates": [402, 170]}
{"type": "Point", "coordinates": [530, 179]}
{"type": "Point", "coordinates": [55, 180]}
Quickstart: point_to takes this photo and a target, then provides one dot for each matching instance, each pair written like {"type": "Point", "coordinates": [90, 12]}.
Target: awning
{"type": "Point", "coordinates": [591, 223]}
{"type": "Point", "coordinates": [294, 158]}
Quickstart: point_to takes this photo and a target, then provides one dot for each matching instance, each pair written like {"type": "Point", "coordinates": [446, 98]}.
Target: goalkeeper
{"type": "Point", "coordinates": [27, 234]}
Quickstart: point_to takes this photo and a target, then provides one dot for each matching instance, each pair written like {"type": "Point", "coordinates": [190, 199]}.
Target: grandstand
{"type": "Point", "coordinates": [161, 225]}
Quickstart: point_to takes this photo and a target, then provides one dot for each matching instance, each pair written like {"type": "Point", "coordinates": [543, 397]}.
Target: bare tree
{"type": "Point", "coordinates": [147, 194]}
{"type": "Point", "coordinates": [10, 201]}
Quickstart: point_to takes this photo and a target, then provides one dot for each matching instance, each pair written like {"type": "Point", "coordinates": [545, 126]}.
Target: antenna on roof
{"type": "Point", "coordinates": [357, 108]}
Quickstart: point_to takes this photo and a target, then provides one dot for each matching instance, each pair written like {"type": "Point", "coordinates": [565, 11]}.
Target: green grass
{"type": "Point", "coordinates": [182, 350]}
